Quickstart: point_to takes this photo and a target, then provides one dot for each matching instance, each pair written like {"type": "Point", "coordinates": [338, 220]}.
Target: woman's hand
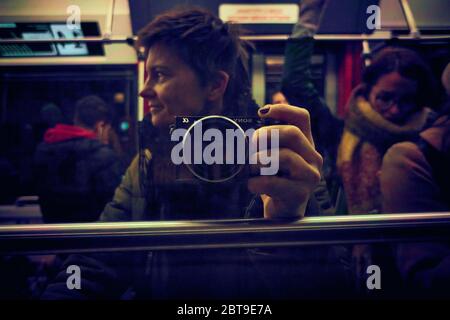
{"type": "Point", "coordinates": [286, 194]}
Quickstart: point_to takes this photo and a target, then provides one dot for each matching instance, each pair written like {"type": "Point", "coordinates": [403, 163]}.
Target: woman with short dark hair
{"type": "Point", "coordinates": [196, 67]}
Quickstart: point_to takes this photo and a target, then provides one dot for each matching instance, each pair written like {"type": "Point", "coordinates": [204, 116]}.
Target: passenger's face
{"type": "Point", "coordinates": [394, 97]}
{"type": "Point", "coordinates": [279, 98]}
{"type": "Point", "coordinates": [172, 87]}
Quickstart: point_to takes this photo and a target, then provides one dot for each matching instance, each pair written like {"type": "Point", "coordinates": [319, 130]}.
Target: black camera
{"type": "Point", "coordinates": [215, 148]}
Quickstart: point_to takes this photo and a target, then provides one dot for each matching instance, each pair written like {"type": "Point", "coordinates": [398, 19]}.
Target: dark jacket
{"type": "Point", "coordinates": [416, 187]}
{"type": "Point", "coordinates": [299, 90]}
{"type": "Point", "coordinates": [76, 175]}
{"type": "Point", "coordinates": [420, 187]}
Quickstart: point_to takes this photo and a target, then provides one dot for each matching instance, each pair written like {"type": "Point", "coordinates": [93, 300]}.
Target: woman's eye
{"type": "Point", "coordinates": [384, 98]}
{"type": "Point", "coordinates": [158, 76]}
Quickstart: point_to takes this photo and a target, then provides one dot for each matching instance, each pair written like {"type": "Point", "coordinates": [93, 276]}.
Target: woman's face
{"type": "Point", "coordinates": [394, 97]}
{"type": "Point", "coordinates": [172, 87]}
{"type": "Point", "coordinates": [279, 98]}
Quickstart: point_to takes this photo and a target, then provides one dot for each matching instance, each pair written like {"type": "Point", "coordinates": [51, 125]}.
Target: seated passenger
{"type": "Point", "coordinates": [195, 66]}
{"type": "Point", "coordinates": [415, 177]}
{"type": "Point", "coordinates": [420, 184]}
{"type": "Point", "coordinates": [388, 107]}
{"type": "Point", "coordinates": [75, 172]}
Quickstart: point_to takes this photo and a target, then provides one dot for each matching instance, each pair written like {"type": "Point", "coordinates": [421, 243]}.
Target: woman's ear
{"type": "Point", "coordinates": [102, 130]}
{"type": "Point", "coordinates": [99, 126]}
{"type": "Point", "coordinates": [218, 86]}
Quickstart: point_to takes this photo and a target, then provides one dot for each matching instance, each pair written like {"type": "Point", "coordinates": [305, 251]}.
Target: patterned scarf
{"type": "Point", "coordinates": [367, 136]}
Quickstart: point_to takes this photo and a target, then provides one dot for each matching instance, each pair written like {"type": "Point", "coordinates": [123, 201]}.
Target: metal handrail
{"type": "Point", "coordinates": [109, 20]}
{"type": "Point", "coordinates": [381, 36]}
{"type": "Point", "coordinates": [208, 234]}
{"type": "Point", "coordinates": [319, 37]}
{"type": "Point", "coordinates": [410, 20]}
{"type": "Point", "coordinates": [107, 40]}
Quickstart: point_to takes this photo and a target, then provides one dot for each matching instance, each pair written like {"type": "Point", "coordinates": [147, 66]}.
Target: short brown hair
{"type": "Point", "coordinates": [90, 110]}
{"type": "Point", "coordinates": [408, 64]}
{"type": "Point", "coordinates": [207, 45]}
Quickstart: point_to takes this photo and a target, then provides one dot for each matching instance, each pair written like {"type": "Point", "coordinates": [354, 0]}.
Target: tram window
{"type": "Point", "coordinates": [32, 31]}
{"type": "Point", "coordinates": [34, 100]}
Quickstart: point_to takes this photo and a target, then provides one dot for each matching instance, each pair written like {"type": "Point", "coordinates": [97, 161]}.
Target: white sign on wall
{"type": "Point", "coordinates": [259, 13]}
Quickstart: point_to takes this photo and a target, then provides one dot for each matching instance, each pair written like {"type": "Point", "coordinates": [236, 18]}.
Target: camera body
{"type": "Point", "coordinates": [215, 148]}
{"type": "Point", "coordinates": [239, 122]}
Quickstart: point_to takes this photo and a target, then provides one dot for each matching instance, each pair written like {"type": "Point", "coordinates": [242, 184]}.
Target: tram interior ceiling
{"type": "Point", "coordinates": [57, 54]}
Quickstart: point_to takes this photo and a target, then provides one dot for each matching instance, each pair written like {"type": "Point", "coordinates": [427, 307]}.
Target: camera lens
{"type": "Point", "coordinates": [217, 147]}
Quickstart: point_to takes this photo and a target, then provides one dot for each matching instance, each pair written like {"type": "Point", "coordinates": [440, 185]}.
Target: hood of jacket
{"type": "Point", "coordinates": [64, 132]}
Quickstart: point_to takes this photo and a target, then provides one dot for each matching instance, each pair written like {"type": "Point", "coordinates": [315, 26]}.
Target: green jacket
{"type": "Point", "coordinates": [129, 202]}
{"type": "Point", "coordinates": [139, 200]}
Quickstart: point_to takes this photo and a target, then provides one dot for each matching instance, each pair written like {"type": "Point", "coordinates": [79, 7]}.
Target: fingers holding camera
{"type": "Point", "coordinates": [288, 114]}
{"type": "Point", "coordinates": [282, 198]}
{"type": "Point", "coordinates": [285, 163]}
{"type": "Point", "coordinates": [286, 195]}
{"type": "Point", "coordinates": [287, 136]}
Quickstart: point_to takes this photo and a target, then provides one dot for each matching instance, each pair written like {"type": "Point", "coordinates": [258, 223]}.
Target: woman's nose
{"type": "Point", "coordinates": [147, 91]}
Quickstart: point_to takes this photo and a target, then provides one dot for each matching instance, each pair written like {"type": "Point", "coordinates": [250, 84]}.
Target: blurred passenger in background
{"type": "Point", "coordinates": [298, 88]}
{"type": "Point", "coordinates": [76, 172]}
{"type": "Point", "coordinates": [415, 177]}
{"type": "Point", "coordinates": [420, 168]}
{"type": "Point", "coordinates": [388, 107]}
{"type": "Point", "coordinates": [51, 115]}
{"type": "Point", "coordinates": [279, 98]}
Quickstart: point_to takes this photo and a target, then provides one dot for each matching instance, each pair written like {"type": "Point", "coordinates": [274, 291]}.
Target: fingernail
{"type": "Point", "coordinates": [264, 110]}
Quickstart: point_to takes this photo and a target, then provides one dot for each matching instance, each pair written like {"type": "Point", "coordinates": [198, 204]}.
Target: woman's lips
{"type": "Point", "coordinates": [154, 107]}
